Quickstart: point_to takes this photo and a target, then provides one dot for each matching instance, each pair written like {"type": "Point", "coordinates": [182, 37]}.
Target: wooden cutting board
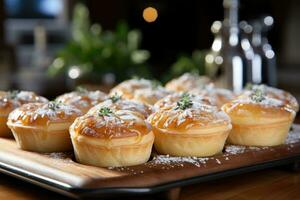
{"type": "Point", "coordinates": [59, 171]}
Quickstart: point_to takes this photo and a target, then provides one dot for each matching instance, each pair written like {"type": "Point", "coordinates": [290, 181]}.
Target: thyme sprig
{"type": "Point", "coordinates": [81, 90]}
{"type": "Point", "coordinates": [54, 105]}
{"type": "Point", "coordinates": [116, 97]}
{"type": "Point", "coordinates": [184, 102]}
{"type": "Point", "coordinates": [13, 94]}
{"type": "Point", "coordinates": [257, 95]}
{"type": "Point", "coordinates": [105, 111]}
{"type": "Point", "coordinates": [155, 84]}
{"type": "Point", "coordinates": [249, 86]}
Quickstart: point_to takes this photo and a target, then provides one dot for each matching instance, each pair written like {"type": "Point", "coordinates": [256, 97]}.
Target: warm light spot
{"type": "Point", "coordinates": [74, 72]}
{"type": "Point", "coordinates": [209, 58]}
{"type": "Point", "coordinates": [150, 14]}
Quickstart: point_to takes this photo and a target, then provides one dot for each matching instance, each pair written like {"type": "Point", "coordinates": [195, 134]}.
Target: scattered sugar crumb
{"type": "Point", "coordinates": [177, 161]}
{"type": "Point", "coordinates": [293, 137]}
{"type": "Point", "coordinates": [234, 149]}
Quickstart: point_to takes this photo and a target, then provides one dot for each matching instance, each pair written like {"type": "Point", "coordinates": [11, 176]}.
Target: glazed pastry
{"type": "Point", "coordinates": [43, 127]}
{"type": "Point", "coordinates": [190, 128]}
{"type": "Point", "coordinates": [258, 119]}
{"type": "Point", "coordinates": [29, 97]}
{"type": "Point", "coordinates": [187, 82]}
{"type": "Point", "coordinates": [127, 88]}
{"type": "Point", "coordinates": [175, 97]}
{"type": "Point", "coordinates": [11, 100]}
{"type": "Point", "coordinates": [116, 102]}
{"type": "Point", "coordinates": [111, 138]}
{"type": "Point", "coordinates": [219, 96]}
{"type": "Point", "coordinates": [82, 99]}
{"type": "Point", "coordinates": [150, 95]}
{"type": "Point", "coordinates": [275, 93]}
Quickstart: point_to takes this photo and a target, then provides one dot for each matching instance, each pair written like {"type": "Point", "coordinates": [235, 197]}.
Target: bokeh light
{"type": "Point", "coordinates": [150, 14]}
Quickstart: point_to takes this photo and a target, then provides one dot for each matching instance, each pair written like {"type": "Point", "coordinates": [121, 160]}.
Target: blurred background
{"type": "Point", "coordinates": [50, 46]}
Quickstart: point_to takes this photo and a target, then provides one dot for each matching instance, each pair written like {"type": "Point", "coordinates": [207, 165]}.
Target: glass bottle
{"type": "Point", "coordinates": [265, 69]}
{"type": "Point", "coordinates": [234, 69]}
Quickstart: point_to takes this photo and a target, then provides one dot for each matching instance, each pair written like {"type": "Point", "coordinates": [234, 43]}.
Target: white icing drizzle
{"type": "Point", "coordinates": [198, 112]}
{"type": "Point", "coordinates": [274, 93]}
{"type": "Point", "coordinates": [78, 98]}
{"type": "Point", "coordinates": [188, 81]}
{"type": "Point", "coordinates": [123, 104]}
{"type": "Point", "coordinates": [115, 124]}
{"type": "Point", "coordinates": [30, 97]}
{"type": "Point", "coordinates": [217, 95]}
{"type": "Point", "coordinates": [41, 110]}
{"type": "Point", "coordinates": [131, 85]}
{"type": "Point", "coordinates": [169, 100]}
{"type": "Point", "coordinates": [154, 94]}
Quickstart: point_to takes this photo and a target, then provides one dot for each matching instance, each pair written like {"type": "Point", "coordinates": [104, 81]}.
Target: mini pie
{"type": "Point", "coordinates": [116, 102]}
{"type": "Point", "coordinates": [275, 93]}
{"type": "Point", "coordinates": [112, 138]}
{"type": "Point", "coordinates": [150, 95]}
{"type": "Point", "coordinates": [187, 82]}
{"type": "Point", "coordinates": [258, 119]}
{"type": "Point", "coordinates": [43, 127]}
{"type": "Point", "coordinates": [219, 96]}
{"type": "Point", "coordinates": [127, 88]}
{"type": "Point", "coordinates": [11, 100]}
{"type": "Point", "coordinates": [190, 128]}
{"type": "Point", "coordinates": [82, 99]}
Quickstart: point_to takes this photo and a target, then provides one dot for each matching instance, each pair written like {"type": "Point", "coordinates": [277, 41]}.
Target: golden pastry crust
{"type": "Point", "coordinates": [127, 88]}
{"type": "Point", "coordinates": [275, 93]}
{"type": "Point", "coordinates": [258, 120]}
{"type": "Point", "coordinates": [43, 114]}
{"type": "Point", "coordinates": [7, 104]}
{"type": "Point", "coordinates": [43, 127]}
{"type": "Point", "coordinates": [219, 96]}
{"type": "Point", "coordinates": [118, 103]}
{"type": "Point", "coordinates": [83, 99]}
{"type": "Point", "coordinates": [122, 123]}
{"type": "Point", "coordinates": [197, 130]}
{"type": "Point", "coordinates": [150, 95]}
{"type": "Point", "coordinates": [112, 138]}
{"type": "Point", "coordinates": [187, 82]}
{"type": "Point", "coordinates": [12, 100]}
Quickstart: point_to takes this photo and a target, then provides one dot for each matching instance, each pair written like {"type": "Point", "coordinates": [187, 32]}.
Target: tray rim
{"type": "Point", "coordinates": [78, 193]}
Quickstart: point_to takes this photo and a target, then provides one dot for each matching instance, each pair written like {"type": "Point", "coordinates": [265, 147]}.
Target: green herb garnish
{"type": "Point", "coordinates": [257, 95]}
{"type": "Point", "coordinates": [105, 111]}
{"type": "Point", "coordinates": [54, 105]}
{"type": "Point", "coordinates": [249, 86]}
{"type": "Point", "coordinates": [81, 90]}
{"type": "Point", "coordinates": [13, 94]}
{"type": "Point", "coordinates": [184, 102]}
{"type": "Point", "coordinates": [116, 97]}
{"type": "Point", "coordinates": [135, 77]}
{"type": "Point", "coordinates": [155, 84]}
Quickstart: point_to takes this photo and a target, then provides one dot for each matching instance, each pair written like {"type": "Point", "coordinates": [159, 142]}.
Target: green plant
{"type": "Point", "coordinates": [194, 63]}
{"type": "Point", "coordinates": [97, 52]}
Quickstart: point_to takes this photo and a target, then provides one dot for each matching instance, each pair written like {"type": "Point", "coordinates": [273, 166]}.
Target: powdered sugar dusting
{"type": "Point", "coordinates": [293, 137]}
{"type": "Point", "coordinates": [68, 110]}
{"type": "Point", "coordinates": [178, 161]}
{"type": "Point", "coordinates": [234, 149]}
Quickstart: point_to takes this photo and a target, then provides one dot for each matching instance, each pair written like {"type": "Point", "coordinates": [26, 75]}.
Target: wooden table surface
{"type": "Point", "coordinates": [275, 184]}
